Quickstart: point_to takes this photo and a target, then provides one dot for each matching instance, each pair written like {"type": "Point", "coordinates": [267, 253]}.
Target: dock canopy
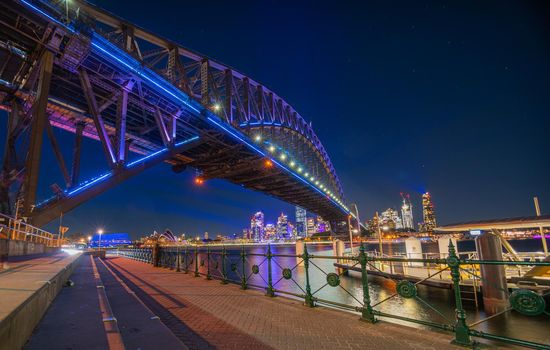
{"type": "Point", "coordinates": [498, 224]}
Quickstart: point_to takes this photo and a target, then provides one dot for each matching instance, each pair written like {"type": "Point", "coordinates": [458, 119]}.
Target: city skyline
{"type": "Point", "coordinates": [441, 144]}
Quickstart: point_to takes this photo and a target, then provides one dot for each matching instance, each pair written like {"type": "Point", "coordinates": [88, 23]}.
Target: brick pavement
{"type": "Point", "coordinates": [206, 314]}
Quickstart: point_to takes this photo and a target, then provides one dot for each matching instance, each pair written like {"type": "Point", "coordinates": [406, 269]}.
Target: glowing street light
{"type": "Point", "coordinates": [271, 148]}
{"type": "Point", "coordinates": [292, 164]}
{"type": "Point", "coordinates": [268, 163]}
{"type": "Point", "coordinates": [216, 107]}
{"type": "Point", "coordinates": [258, 138]}
{"type": "Point", "coordinates": [283, 156]}
{"type": "Point", "coordinates": [99, 232]}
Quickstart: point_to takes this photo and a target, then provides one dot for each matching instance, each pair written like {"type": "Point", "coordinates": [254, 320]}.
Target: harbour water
{"type": "Point", "coordinates": [431, 304]}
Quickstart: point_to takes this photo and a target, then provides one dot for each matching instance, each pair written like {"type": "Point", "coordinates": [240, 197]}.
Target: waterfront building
{"type": "Point", "coordinates": [246, 233]}
{"type": "Point", "coordinates": [406, 213]}
{"type": "Point", "coordinates": [322, 225]}
{"type": "Point", "coordinates": [270, 231]}
{"type": "Point", "coordinates": [257, 226]}
{"type": "Point", "coordinates": [301, 222]}
{"type": "Point", "coordinates": [310, 226]}
{"type": "Point", "coordinates": [428, 213]}
{"type": "Point", "coordinates": [282, 226]}
{"type": "Point", "coordinates": [390, 217]}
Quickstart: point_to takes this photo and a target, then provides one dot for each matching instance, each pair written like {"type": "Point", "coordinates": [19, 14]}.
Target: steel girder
{"type": "Point", "coordinates": [93, 97]}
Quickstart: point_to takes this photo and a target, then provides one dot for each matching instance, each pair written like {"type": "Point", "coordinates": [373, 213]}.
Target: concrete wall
{"type": "Point", "coordinates": [14, 248]}
{"type": "Point", "coordinates": [17, 327]}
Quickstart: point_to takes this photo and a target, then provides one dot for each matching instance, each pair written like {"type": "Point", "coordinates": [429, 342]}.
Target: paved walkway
{"type": "Point", "coordinates": [75, 319]}
{"type": "Point", "coordinates": [205, 314]}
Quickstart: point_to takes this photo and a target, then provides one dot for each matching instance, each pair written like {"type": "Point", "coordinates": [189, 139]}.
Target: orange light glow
{"type": "Point", "coordinates": [268, 163]}
{"type": "Point", "coordinates": [199, 180]}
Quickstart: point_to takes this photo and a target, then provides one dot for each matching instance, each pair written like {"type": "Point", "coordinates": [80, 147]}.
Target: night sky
{"type": "Point", "coordinates": [406, 96]}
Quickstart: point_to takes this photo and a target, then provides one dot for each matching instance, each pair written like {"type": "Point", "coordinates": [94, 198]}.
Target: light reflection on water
{"type": "Point", "coordinates": [350, 291]}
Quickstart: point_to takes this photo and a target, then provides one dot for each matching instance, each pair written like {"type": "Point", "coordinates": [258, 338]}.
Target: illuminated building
{"type": "Point", "coordinates": [322, 225]}
{"type": "Point", "coordinates": [257, 226]}
{"type": "Point", "coordinates": [406, 213]}
{"type": "Point", "coordinates": [390, 217]}
{"type": "Point", "coordinates": [301, 222]}
{"type": "Point", "coordinates": [428, 213]}
{"type": "Point", "coordinates": [246, 233]}
{"type": "Point", "coordinates": [282, 226]}
{"type": "Point", "coordinates": [310, 226]}
{"type": "Point", "coordinates": [270, 231]}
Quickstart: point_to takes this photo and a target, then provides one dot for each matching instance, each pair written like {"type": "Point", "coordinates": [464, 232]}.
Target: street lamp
{"type": "Point", "coordinates": [99, 232]}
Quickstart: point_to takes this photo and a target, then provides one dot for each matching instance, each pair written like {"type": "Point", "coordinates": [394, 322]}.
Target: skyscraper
{"type": "Point", "coordinates": [282, 226]}
{"type": "Point", "coordinates": [301, 221]}
{"type": "Point", "coordinates": [310, 227]}
{"type": "Point", "coordinates": [406, 213]}
{"type": "Point", "coordinates": [322, 225]}
{"type": "Point", "coordinates": [390, 217]}
{"type": "Point", "coordinates": [428, 213]}
{"type": "Point", "coordinates": [270, 231]}
{"type": "Point", "coordinates": [257, 226]}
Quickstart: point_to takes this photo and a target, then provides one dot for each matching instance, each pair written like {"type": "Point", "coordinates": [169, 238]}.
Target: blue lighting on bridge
{"type": "Point", "coordinates": [123, 58]}
{"type": "Point", "coordinates": [119, 56]}
{"type": "Point", "coordinates": [282, 166]}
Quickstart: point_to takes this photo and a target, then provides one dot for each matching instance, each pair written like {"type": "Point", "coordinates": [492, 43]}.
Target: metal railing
{"type": "Point", "coordinates": [276, 274]}
{"type": "Point", "coordinates": [19, 230]}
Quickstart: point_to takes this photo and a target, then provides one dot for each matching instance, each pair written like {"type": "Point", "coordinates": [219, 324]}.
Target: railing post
{"type": "Point", "coordinates": [367, 313]}
{"type": "Point", "coordinates": [308, 297]}
{"type": "Point", "coordinates": [224, 274]}
{"type": "Point", "coordinates": [208, 277]}
{"type": "Point", "coordinates": [462, 332]}
{"type": "Point", "coordinates": [243, 259]}
{"type": "Point", "coordinates": [178, 258]}
{"type": "Point", "coordinates": [197, 261]}
{"type": "Point", "coordinates": [185, 260]}
{"type": "Point", "coordinates": [269, 290]}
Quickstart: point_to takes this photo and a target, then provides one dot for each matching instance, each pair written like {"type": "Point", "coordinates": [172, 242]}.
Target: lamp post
{"type": "Point", "coordinates": [350, 234]}
{"type": "Point", "coordinates": [99, 232]}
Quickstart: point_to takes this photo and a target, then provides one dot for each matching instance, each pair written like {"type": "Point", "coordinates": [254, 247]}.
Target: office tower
{"type": "Point", "coordinates": [310, 227]}
{"type": "Point", "coordinates": [322, 225]}
{"type": "Point", "coordinates": [282, 226]}
{"type": "Point", "coordinates": [391, 218]}
{"type": "Point", "coordinates": [257, 226]}
{"type": "Point", "coordinates": [406, 212]}
{"type": "Point", "coordinates": [301, 222]}
{"type": "Point", "coordinates": [428, 213]}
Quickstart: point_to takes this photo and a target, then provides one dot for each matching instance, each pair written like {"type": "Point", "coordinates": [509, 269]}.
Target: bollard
{"type": "Point", "coordinates": [224, 274]}
{"type": "Point", "coordinates": [243, 278]}
{"type": "Point", "coordinates": [299, 246]}
{"type": "Point", "coordinates": [338, 250]}
{"type": "Point", "coordinates": [462, 332]}
{"type": "Point", "coordinates": [185, 260]}
{"type": "Point", "coordinates": [493, 277]}
{"type": "Point", "coordinates": [367, 313]}
{"type": "Point", "coordinates": [308, 297]}
{"type": "Point", "coordinates": [269, 290]}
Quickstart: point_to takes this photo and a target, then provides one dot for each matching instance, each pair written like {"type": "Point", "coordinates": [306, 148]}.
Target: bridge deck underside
{"type": "Point", "coordinates": [218, 155]}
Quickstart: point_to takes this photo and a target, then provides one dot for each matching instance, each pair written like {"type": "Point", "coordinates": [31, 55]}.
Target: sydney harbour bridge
{"type": "Point", "coordinates": [147, 100]}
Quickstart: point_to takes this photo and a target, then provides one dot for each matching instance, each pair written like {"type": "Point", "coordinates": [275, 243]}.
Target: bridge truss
{"type": "Point", "coordinates": [147, 100]}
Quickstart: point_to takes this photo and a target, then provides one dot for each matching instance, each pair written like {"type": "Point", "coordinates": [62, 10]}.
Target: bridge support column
{"type": "Point", "coordinates": [493, 277]}
{"type": "Point", "coordinates": [38, 123]}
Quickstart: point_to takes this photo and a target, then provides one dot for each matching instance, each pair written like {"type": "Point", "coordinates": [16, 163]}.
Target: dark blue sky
{"type": "Point", "coordinates": [407, 96]}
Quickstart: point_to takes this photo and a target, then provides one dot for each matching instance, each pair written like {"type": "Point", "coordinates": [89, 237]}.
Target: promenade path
{"type": "Point", "coordinates": [206, 314]}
